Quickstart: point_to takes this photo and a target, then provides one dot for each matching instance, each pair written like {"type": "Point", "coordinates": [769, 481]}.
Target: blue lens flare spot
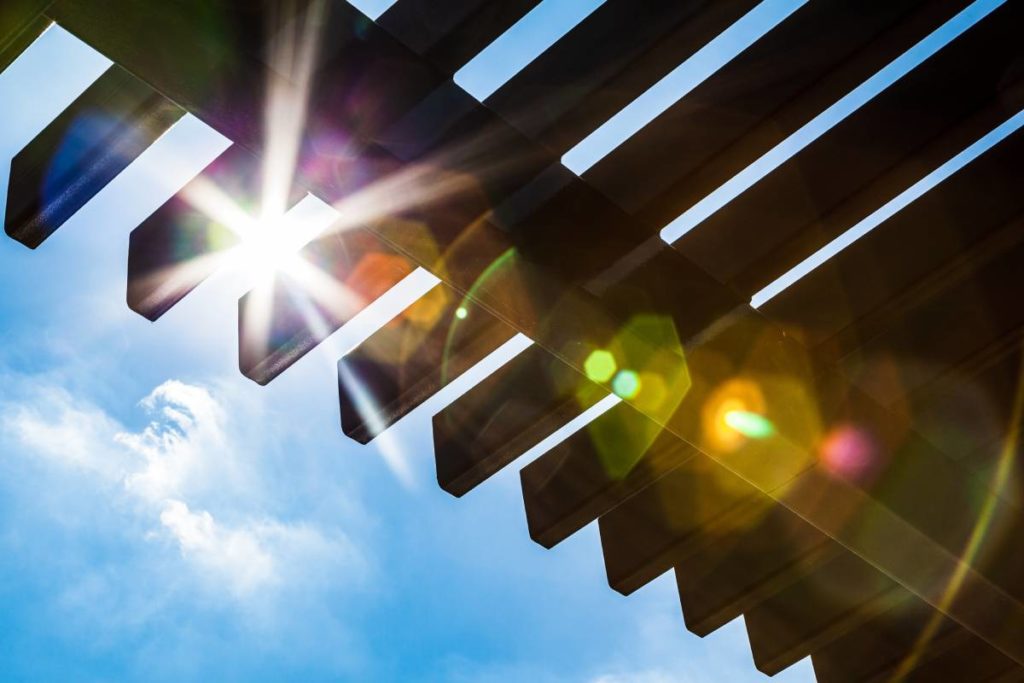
{"type": "Point", "coordinates": [626, 384]}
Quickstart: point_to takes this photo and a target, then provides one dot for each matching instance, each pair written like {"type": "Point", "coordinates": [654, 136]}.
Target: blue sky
{"type": "Point", "coordinates": [163, 518]}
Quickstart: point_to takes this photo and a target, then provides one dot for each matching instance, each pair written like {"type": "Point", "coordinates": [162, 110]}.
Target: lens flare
{"type": "Point", "coordinates": [732, 409]}
{"type": "Point", "coordinates": [626, 384]}
{"type": "Point", "coordinates": [652, 392]}
{"type": "Point", "coordinates": [750, 425]}
{"type": "Point", "coordinates": [600, 366]}
{"type": "Point", "coordinates": [976, 541]}
{"type": "Point", "coordinates": [647, 367]}
{"type": "Point", "coordinates": [848, 451]}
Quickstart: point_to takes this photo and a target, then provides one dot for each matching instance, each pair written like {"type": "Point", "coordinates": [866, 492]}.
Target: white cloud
{"type": "Point", "coordinates": [237, 556]}
{"type": "Point", "coordinates": [187, 430]}
{"type": "Point", "coordinates": [65, 433]}
{"type": "Point", "coordinates": [188, 452]}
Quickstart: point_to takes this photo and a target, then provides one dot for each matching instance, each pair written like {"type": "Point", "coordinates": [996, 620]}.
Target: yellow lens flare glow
{"type": "Point", "coordinates": [405, 334]}
{"type": "Point", "coordinates": [600, 366]}
{"type": "Point", "coordinates": [644, 364]}
{"type": "Point", "coordinates": [652, 392]}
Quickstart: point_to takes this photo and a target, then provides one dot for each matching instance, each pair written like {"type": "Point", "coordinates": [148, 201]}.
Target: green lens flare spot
{"type": "Point", "coordinates": [626, 384]}
{"type": "Point", "coordinates": [461, 313]}
{"type": "Point", "coordinates": [750, 425]}
{"type": "Point", "coordinates": [600, 366]}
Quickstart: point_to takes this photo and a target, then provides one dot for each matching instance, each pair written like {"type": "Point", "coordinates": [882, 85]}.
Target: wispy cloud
{"type": "Point", "coordinates": [162, 473]}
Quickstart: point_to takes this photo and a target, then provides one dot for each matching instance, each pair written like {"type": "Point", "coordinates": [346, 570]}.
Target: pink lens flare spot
{"type": "Point", "coordinates": [849, 451]}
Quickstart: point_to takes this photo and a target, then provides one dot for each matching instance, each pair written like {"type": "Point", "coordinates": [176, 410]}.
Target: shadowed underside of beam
{"type": "Point", "coordinates": [973, 73]}
{"type": "Point", "coordinates": [426, 346]}
{"type": "Point", "coordinates": [21, 22]}
{"type": "Point", "coordinates": [827, 602]}
{"type": "Point", "coordinates": [748, 564]}
{"type": "Point", "coordinates": [524, 401]}
{"type": "Point", "coordinates": [594, 470]}
{"type": "Point", "coordinates": [180, 244]}
{"type": "Point", "coordinates": [451, 34]}
{"type": "Point", "coordinates": [610, 58]}
{"type": "Point", "coordinates": [755, 101]}
{"type": "Point", "coordinates": [81, 151]}
{"type": "Point", "coordinates": [878, 648]}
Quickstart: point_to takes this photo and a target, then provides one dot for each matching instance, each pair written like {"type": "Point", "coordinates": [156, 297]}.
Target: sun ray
{"type": "Point", "coordinates": [293, 52]}
{"type": "Point", "coordinates": [167, 282]}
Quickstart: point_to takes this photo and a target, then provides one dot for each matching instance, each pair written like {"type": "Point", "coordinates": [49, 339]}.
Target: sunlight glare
{"type": "Point", "coordinates": [271, 245]}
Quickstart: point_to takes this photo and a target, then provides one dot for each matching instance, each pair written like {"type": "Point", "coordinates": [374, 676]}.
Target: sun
{"type": "Point", "coordinates": [272, 244]}
{"type": "Point", "coordinates": [266, 250]}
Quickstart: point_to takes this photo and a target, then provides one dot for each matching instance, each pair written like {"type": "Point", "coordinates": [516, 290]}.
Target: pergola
{"type": "Point", "coordinates": [817, 374]}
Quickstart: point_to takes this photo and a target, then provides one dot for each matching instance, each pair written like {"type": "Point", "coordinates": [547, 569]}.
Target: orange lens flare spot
{"type": "Point", "coordinates": [427, 311]}
{"type": "Point", "coordinates": [733, 409]}
{"type": "Point", "coordinates": [376, 273]}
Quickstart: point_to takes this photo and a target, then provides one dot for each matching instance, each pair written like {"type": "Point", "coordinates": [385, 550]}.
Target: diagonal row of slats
{"type": "Point", "coordinates": [573, 485]}
{"type": "Point", "coordinates": [472, 444]}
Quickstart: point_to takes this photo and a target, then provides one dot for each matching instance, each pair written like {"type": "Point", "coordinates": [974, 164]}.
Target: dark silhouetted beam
{"type": "Point", "coordinates": [891, 640]}
{"type": "Point", "coordinates": [498, 420]}
{"type": "Point", "coordinates": [747, 566]}
{"type": "Point", "coordinates": [609, 59]}
{"type": "Point", "coordinates": [193, 52]}
{"type": "Point", "coordinates": [967, 76]}
{"type": "Point", "coordinates": [981, 298]}
{"type": "Point", "coordinates": [826, 604]}
{"type": "Point", "coordinates": [182, 243]}
{"type": "Point", "coordinates": [874, 282]}
{"type": "Point", "coordinates": [452, 34]}
{"type": "Point", "coordinates": [673, 518]}
{"type": "Point", "coordinates": [969, 659]}
{"type": "Point", "coordinates": [407, 361]}
{"type": "Point", "coordinates": [767, 92]}
{"type": "Point", "coordinates": [81, 151]}
{"type": "Point", "coordinates": [21, 22]}
{"type": "Point", "coordinates": [421, 24]}
{"type": "Point", "coordinates": [594, 470]}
